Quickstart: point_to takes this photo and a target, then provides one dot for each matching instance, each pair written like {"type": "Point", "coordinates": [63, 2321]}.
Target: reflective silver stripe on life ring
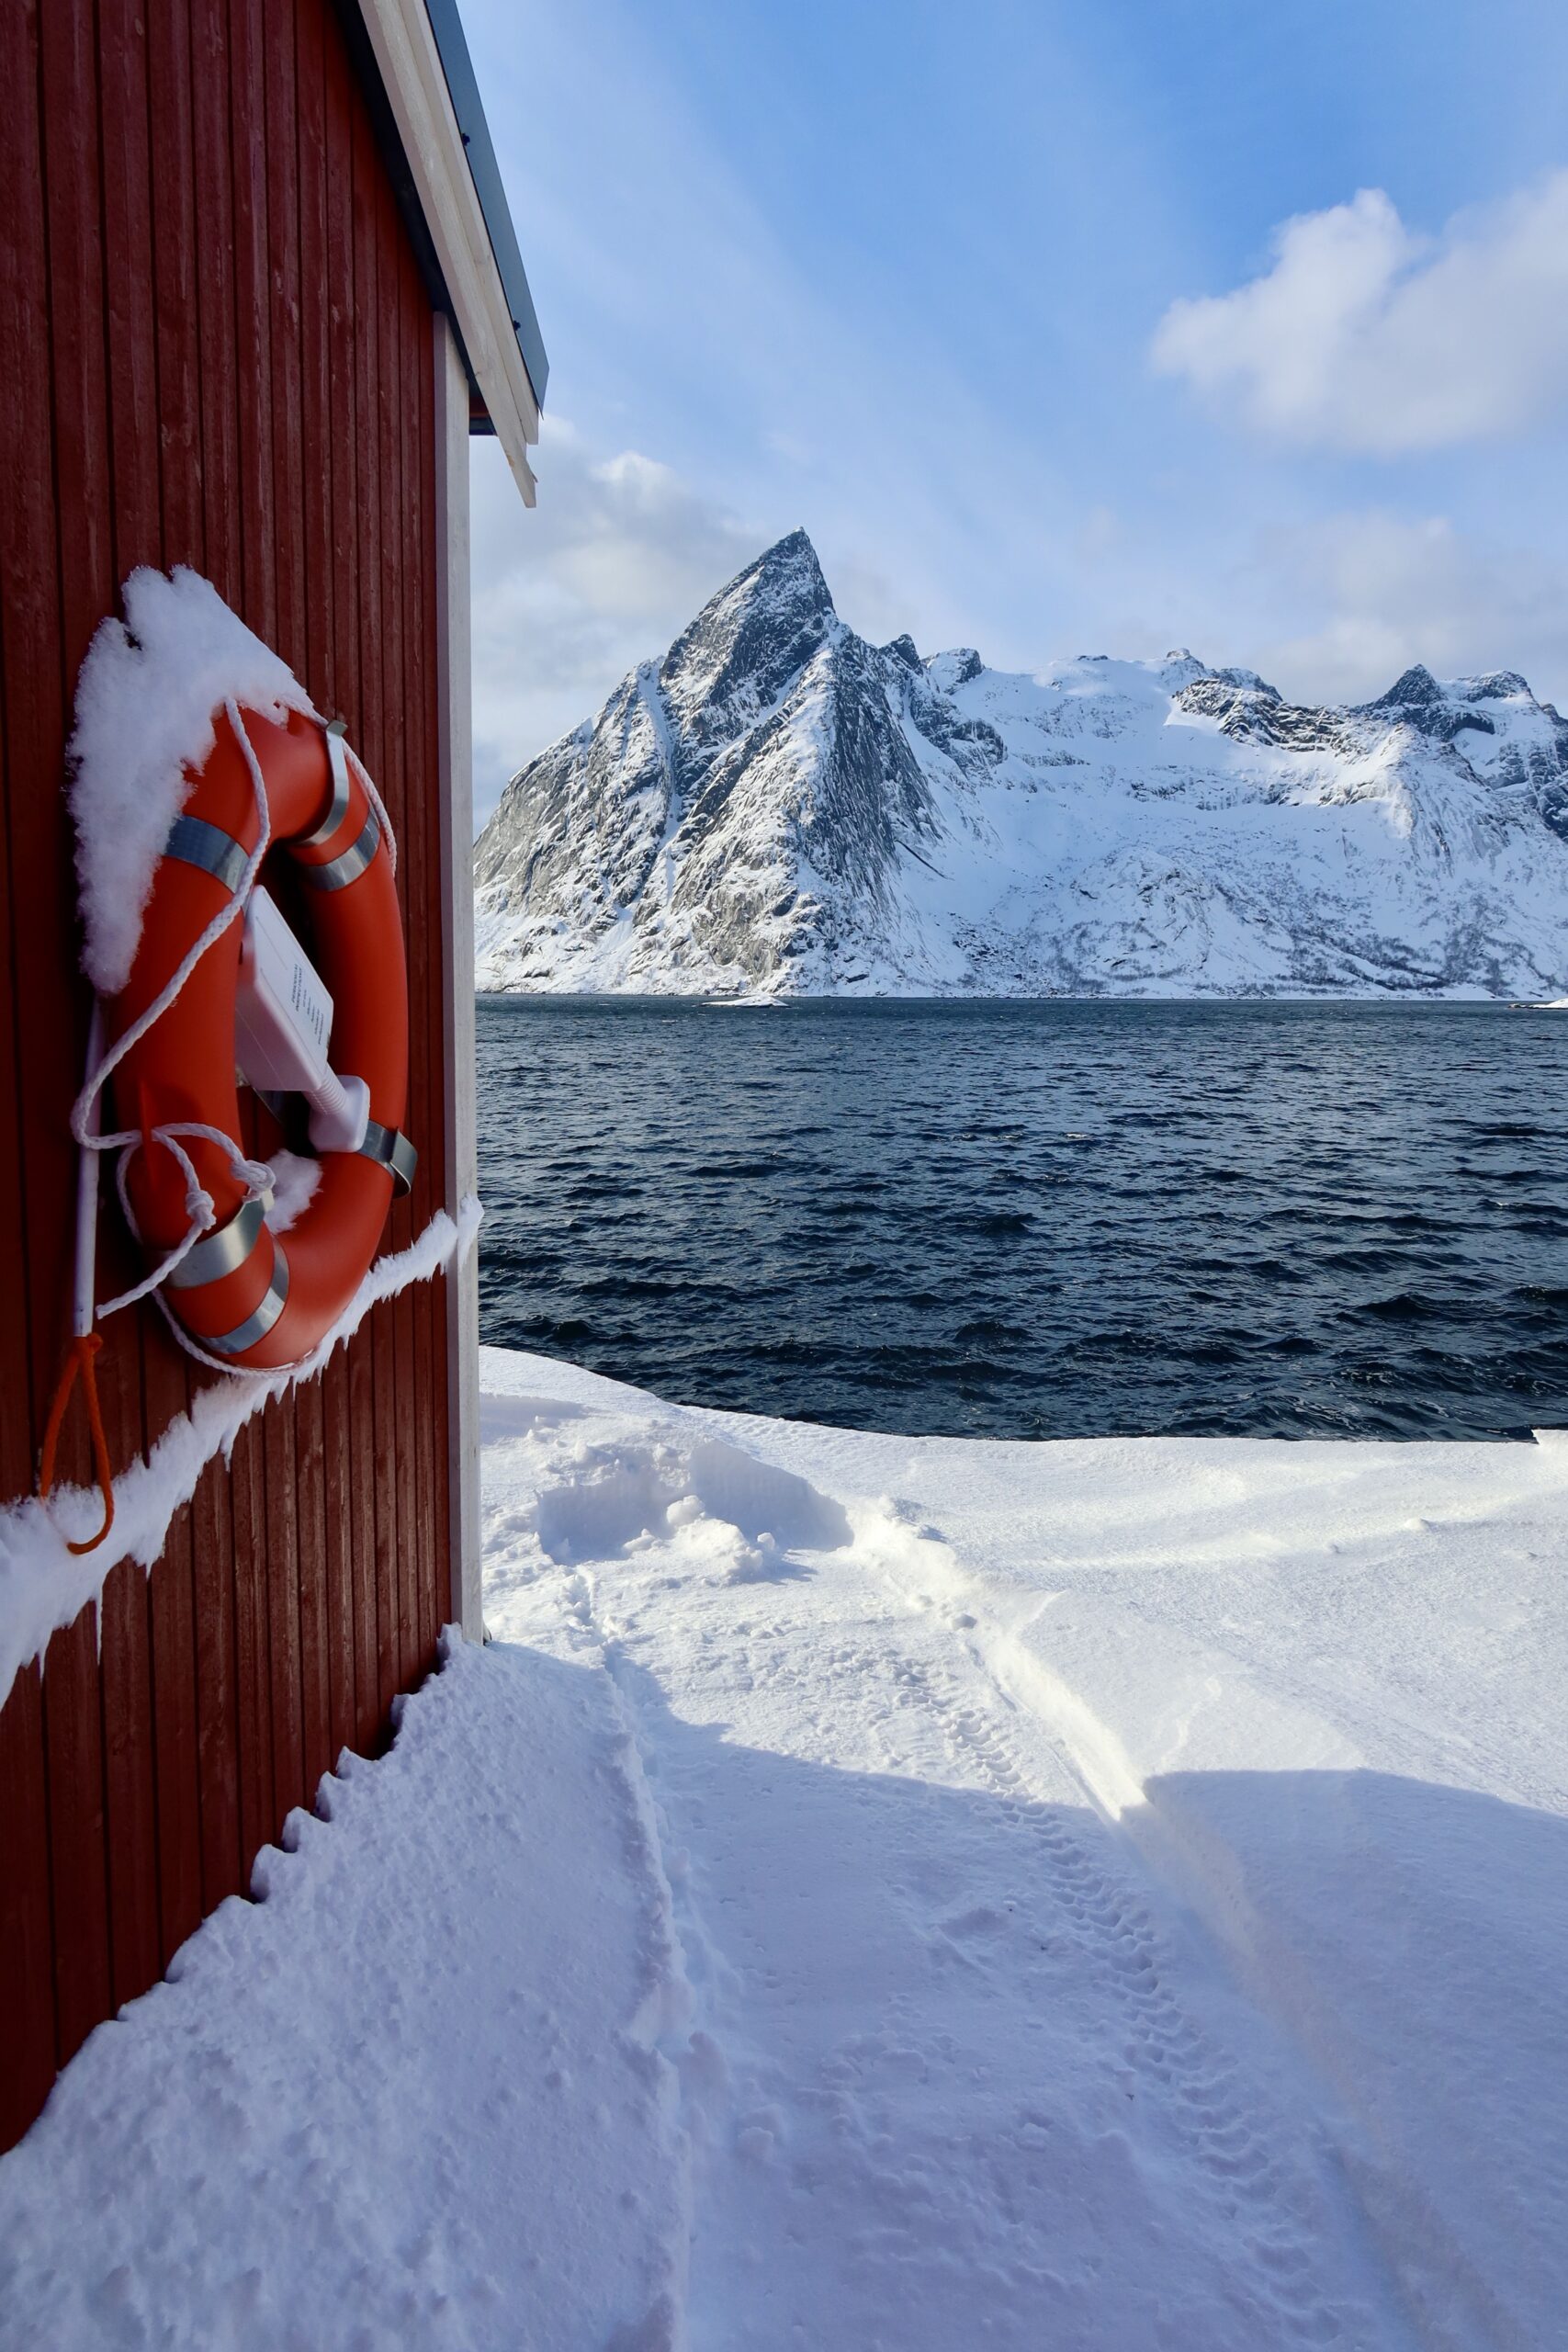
{"type": "Point", "coordinates": [337, 760]}
{"type": "Point", "coordinates": [196, 842]}
{"type": "Point", "coordinates": [224, 1251]}
{"type": "Point", "coordinates": [390, 1148]}
{"type": "Point", "coordinates": [339, 872]}
{"type": "Point", "coordinates": [254, 1326]}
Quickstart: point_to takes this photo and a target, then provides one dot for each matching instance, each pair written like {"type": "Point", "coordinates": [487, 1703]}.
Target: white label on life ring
{"type": "Point", "coordinates": [283, 1015]}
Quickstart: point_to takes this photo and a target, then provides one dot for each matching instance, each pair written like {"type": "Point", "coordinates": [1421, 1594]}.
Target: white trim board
{"type": "Point", "coordinates": [412, 73]}
{"type": "Point", "coordinates": [453, 690]}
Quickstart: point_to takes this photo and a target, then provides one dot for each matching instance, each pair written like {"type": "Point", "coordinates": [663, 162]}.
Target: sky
{"type": "Point", "coordinates": [1073, 327]}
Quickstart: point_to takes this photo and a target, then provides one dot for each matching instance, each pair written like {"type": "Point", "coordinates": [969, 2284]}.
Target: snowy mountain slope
{"type": "Point", "coordinates": [779, 808]}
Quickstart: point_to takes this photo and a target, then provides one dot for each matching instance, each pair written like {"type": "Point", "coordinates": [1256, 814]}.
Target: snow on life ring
{"type": "Point", "coordinates": [252, 1299]}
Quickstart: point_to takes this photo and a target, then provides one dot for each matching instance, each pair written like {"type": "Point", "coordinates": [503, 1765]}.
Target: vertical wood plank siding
{"type": "Point", "coordinates": [215, 349]}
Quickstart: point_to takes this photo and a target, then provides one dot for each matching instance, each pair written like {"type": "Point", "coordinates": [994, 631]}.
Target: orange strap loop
{"type": "Point", "coordinates": [80, 1360]}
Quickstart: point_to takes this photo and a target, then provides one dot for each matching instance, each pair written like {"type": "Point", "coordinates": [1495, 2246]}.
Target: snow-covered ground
{"type": "Point", "coordinates": [876, 1891]}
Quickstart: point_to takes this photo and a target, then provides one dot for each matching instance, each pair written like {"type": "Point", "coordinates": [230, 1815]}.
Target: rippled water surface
{"type": "Point", "coordinates": [1030, 1220]}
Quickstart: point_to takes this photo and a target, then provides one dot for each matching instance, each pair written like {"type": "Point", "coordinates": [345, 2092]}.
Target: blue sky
{"type": "Point", "coordinates": [1062, 328]}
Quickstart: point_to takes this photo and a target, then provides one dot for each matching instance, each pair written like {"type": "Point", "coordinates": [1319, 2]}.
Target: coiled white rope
{"type": "Point", "coordinates": [255, 1175]}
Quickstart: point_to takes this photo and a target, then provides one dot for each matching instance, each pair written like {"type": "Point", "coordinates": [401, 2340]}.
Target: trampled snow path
{"type": "Point", "coordinates": [894, 1893]}
{"type": "Point", "coordinates": [1055, 1917]}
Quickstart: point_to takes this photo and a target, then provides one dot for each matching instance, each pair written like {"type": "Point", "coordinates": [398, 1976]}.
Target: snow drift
{"type": "Point", "coordinates": [885, 1891]}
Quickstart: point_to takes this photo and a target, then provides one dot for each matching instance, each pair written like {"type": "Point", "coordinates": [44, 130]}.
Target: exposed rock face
{"type": "Point", "coordinates": [779, 807]}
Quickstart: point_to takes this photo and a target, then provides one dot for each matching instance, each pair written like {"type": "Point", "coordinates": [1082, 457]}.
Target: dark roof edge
{"type": "Point", "coordinates": [467, 105]}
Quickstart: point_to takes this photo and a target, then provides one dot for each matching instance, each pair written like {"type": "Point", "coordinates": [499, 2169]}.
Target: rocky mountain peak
{"type": "Point", "coordinates": [785, 582]}
{"type": "Point", "coordinates": [791, 565]}
{"type": "Point", "coordinates": [747, 642]}
{"type": "Point", "coordinates": [779, 807]}
{"type": "Point", "coordinates": [1415, 689]}
{"type": "Point", "coordinates": [953, 668]}
{"type": "Point", "coordinates": [1248, 682]}
{"type": "Point", "coordinates": [1497, 686]}
{"type": "Point", "coordinates": [1181, 668]}
{"type": "Point", "coordinates": [1434, 710]}
{"type": "Point", "coordinates": [1249, 710]}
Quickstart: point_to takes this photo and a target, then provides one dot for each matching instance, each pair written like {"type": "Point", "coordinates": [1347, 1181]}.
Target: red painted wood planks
{"type": "Point", "coordinates": [130, 1806]}
{"type": "Point", "coordinates": [27, 1943]}
{"type": "Point", "coordinates": [84, 1987]}
{"type": "Point", "coordinates": [215, 348]}
{"type": "Point", "coordinates": [41, 885]}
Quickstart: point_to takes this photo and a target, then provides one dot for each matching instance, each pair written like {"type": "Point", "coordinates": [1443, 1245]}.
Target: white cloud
{"type": "Point", "coordinates": [1364, 336]}
{"type": "Point", "coordinates": [1384, 591]}
{"type": "Point", "coordinates": [613, 562]}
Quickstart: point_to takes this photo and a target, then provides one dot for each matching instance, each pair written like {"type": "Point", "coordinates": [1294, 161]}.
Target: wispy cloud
{"type": "Point", "coordinates": [618, 555]}
{"type": "Point", "coordinates": [792, 377]}
{"type": "Point", "coordinates": [1388, 591]}
{"type": "Point", "coordinates": [1365, 336]}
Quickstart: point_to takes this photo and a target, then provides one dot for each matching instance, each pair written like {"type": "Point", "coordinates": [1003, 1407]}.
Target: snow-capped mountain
{"type": "Point", "coordinates": [778, 807]}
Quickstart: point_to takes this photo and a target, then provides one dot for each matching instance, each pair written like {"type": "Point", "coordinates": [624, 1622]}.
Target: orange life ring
{"type": "Point", "coordinates": [253, 1299]}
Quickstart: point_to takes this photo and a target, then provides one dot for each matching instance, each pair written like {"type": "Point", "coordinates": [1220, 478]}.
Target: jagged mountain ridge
{"type": "Point", "coordinates": [779, 808]}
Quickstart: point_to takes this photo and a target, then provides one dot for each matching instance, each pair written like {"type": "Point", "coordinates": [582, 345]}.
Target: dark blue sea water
{"type": "Point", "coordinates": [1032, 1220]}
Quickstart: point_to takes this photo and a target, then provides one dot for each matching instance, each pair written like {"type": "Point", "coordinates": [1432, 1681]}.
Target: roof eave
{"type": "Point", "coordinates": [467, 246]}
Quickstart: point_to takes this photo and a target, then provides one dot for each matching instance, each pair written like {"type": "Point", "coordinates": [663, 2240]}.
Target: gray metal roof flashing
{"type": "Point", "coordinates": [463, 91]}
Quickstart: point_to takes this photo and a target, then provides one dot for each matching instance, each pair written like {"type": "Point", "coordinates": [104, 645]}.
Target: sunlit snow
{"type": "Point", "coordinates": [885, 1891]}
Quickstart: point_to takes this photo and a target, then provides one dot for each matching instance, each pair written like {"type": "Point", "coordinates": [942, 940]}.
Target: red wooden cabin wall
{"type": "Point", "coordinates": [215, 348]}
